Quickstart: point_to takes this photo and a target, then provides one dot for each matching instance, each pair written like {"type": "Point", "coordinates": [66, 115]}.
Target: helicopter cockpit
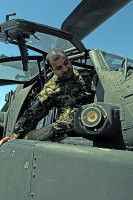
{"type": "Point", "coordinates": [102, 124]}
{"type": "Point", "coordinates": [30, 72]}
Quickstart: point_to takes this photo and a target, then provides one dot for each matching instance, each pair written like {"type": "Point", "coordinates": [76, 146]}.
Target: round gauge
{"type": "Point", "coordinates": [91, 117]}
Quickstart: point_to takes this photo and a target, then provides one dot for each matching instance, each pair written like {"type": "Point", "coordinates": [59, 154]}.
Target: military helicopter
{"type": "Point", "coordinates": [97, 164]}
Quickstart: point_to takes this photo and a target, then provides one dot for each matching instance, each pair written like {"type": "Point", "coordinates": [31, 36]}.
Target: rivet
{"type": "Point", "coordinates": [32, 194]}
{"type": "Point", "coordinates": [34, 166]}
{"type": "Point", "coordinates": [35, 158]}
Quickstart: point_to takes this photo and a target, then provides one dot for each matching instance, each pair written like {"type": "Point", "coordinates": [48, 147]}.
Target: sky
{"type": "Point", "coordinates": [115, 35]}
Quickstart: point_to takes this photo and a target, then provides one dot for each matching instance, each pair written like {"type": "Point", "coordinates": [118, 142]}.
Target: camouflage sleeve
{"type": "Point", "coordinates": [87, 76]}
{"type": "Point", "coordinates": [34, 114]}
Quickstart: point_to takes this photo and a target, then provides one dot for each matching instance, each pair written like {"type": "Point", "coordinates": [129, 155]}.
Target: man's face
{"type": "Point", "coordinates": [62, 67]}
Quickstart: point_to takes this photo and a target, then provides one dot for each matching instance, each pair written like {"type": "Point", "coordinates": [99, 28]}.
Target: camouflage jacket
{"type": "Point", "coordinates": [66, 95]}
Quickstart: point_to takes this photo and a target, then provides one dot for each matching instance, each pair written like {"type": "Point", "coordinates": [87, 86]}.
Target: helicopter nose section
{"type": "Point", "coordinates": [97, 120]}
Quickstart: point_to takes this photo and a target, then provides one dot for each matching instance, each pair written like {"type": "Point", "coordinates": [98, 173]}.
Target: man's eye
{"type": "Point", "coordinates": [66, 62]}
{"type": "Point", "coordinates": [58, 68]}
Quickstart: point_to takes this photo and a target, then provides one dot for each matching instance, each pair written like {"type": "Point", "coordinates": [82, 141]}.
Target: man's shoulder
{"type": "Point", "coordinates": [86, 74]}
{"type": "Point", "coordinates": [51, 82]}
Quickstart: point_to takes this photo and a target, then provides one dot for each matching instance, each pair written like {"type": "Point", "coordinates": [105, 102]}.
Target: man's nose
{"type": "Point", "coordinates": [64, 68]}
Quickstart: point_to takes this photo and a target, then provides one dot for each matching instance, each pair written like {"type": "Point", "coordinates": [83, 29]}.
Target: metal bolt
{"type": "Point", "coordinates": [32, 194]}
{"type": "Point", "coordinates": [13, 152]}
{"type": "Point", "coordinates": [35, 158]}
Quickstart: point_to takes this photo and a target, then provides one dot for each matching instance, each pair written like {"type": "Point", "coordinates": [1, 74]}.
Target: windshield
{"type": "Point", "coordinates": [46, 42]}
{"type": "Point", "coordinates": [13, 70]}
{"type": "Point", "coordinates": [7, 49]}
{"type": "Point", "coordinates": [116, 62]}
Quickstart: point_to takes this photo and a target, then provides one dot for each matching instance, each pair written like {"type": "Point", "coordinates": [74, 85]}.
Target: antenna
{"type": "Point", "coordinates": [8, 16]}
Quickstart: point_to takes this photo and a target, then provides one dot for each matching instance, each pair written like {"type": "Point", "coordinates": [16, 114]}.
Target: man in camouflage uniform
{"type": "Point", "coordinates": [67, 90]}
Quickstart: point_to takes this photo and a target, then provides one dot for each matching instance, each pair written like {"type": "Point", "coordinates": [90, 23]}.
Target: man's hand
{"type": "Point", "coordinates": [6, 139]}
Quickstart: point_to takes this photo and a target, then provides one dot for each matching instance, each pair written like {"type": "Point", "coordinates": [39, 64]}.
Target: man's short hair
{"type": "Point", "coordinates": [54, 54]}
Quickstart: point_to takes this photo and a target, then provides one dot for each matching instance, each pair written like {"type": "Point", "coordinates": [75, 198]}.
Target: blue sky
{"type": "Point", "coordinates": [115, 35]}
